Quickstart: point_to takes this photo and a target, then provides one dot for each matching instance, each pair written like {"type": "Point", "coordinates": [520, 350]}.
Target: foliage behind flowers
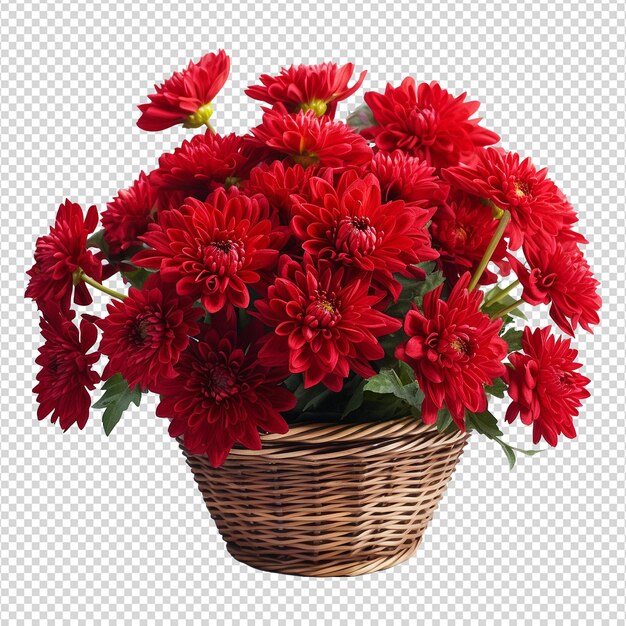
{"type": "Point", "coordinates": [318, 270]}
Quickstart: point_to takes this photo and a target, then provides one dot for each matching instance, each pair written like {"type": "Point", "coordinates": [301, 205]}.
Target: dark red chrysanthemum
{"type": "Point", "coordinates": [212, 250]}
{"type": "Point", "coordinates": [186, 97]}
{"type": "Point", "coordinates": [403, 177]}
{"type": "Point", "coordinates": [560, 276]}
{"type": "Point", "coordinates": [454, 350]}
{"type": "Point", "coordinates": [277, 182]}
{"type": "Point", "coordinates": [144, 334]}
{"type": "Point", "coordinates": [316, 88]}
{"type": "Point", "coordinates": [201, 165]}
{"type": "Point", "coordinates": [536, 204]}
{"type": "Point", "coordinates": [349, 224]}
{"type": "Point", "coordinates": [222, 395]}
{"type": "Point", "coordinates": [545, 388]}
{"type": "Point", "coordinates": [126, 218]}
{"type": "Point", "coordinates": [60, 254]}
{"type": "Point", "coordinates": [324, 325]}
{"type": "Point", "coordinates": [462, 229]}
{"type": "Point", "coordinates": [310, 140]}
{"type": "Point", "coordinates": [427, 122]}
{"type": "Point", "coordinates": [66, 367]}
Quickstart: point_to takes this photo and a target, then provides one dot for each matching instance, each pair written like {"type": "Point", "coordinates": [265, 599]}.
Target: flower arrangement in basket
{"type": "Point", "coordinates": [323, 307]}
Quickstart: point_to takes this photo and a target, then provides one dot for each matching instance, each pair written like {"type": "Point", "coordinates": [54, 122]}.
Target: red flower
{"type": "Point", "coordinates": [316, 88]}
{"type": "Point", "coordinates": [427, 122]}
{"type": "Point", "coordinates": [277, 182]}
{"type": "Point", "coordinates": [536, 204]}
{"type": "Point", "coordinates": [212, 250]}
{"type": "Point", "coordinates": [144, 334]}
{"type": "Point", "coordinates": [544, 385]}
{"type": "Point", "coordinates": [462, 229]}
{"type": "Point", "coordinates": [324, 325]}
{"type": "Point", "coordinates": [66, 367]}
{"type": "Point", "coordinates": [222, 396]}
{"type": "Point", "coordinates": [311, 140]}
{"type": "Point", "coordinates": [201, 165]}
{"type": "Point", "coordinates": [60, 254]}
{"type": "Point", "coordinates": [560, 275]}
{"type": "Point", "coordinates": [126, 218]}
{"type": "Point", "coordinates": [185, 98]}
{"type": "Point", "coordinates": [403, 177]}
{"type": "Point", "coordinates": [454, 350]}
{"type": "Point", "coordinates": [351, 226]}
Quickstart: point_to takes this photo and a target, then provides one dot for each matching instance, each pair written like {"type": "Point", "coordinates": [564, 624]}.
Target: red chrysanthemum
{"type": "Point", "coordinates": [462, 229]}
{"type": "Point", "coordinates": [536, 204]}
{"type": "Point", "coordinates": [66, 372]}
{"type": "Point", "coordinates": [222, 395]}
{"type": "Point", "coordinates": [545, 388]}
{"type": "Point", "coordinates": [186, 97]}
{"type": "Point", "coordinates": [324, 325]}
{"type": "Point", "coordinates": [199, 166]}
{"type": "Point", "coordinates": [212, 250]}
{"type": "Point", "coordinates": [349, 224]}
{"type": "Point", "coordinates": [144, 334]}
{"type": "Point", "coordinates": [316, 88]}
{"type": "Point", "coordinates": [560, 276]}
{"type": "Point", "coordinates": [310, 140]}
{"type": "Point", "coordinates": [427, 122]}
{"type": "Point", "coordinates": [454, 350]}
{"type": "Point", "coordinates": [126, 218]}
{"type": "Point", "coordinates": [277, 182]}
{"type": "Point", "coordinates": [60, 254]}
{"type": "Point", "coordinates": [403, 177]}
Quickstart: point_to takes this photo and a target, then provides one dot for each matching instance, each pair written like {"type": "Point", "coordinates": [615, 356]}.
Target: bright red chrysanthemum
{"type": "Point", "coordinates": [544, 385]}
{"type": "Point", "coordinates": [350, 225]}
{"type": "Point", "coordinates": [222, 395]}
{"type": "Point", "coordinates": [66, 372]}
{"type": "Point", "coordinates": [324, 325]}
{"type": "Point", "coordinates": [560, 276]}
{"type": "Point", "coordinates": [461, 230]}
{"type": "Point", "coordinates": [311, 140]}
{"type": "Point", "coordinates": [454, 350]}
{"type": "Point", "coordinates": [201, 165]}
{"type": "Point", "coordinates": [427, 122]}
{"type": "Point", "coordinates": [126, 218]}
{"type": "Point", "coordinates": [186, 97]}
{"type": "Point", "coordinates": [316, 88]}
{"type": "Point", "coordinates": [144, 334]}
{"type": "Point", "coordinates": [212, 250]}
{"type": "Point", "coordinates": [277, 182]}
{"type": "Point", "coordinates": [60, 254]}
{"type": "Point", "coordinates": [403, 177]}
{"type": "Point", "coordinates": [536, 204]}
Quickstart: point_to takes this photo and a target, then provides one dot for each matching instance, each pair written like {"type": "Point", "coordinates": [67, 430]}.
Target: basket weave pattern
{"type": "Point", "coordinates": [330, 500]}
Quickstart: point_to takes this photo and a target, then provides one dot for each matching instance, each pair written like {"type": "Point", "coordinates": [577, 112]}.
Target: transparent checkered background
{"type": "Point", "coordinates": [113, 531]}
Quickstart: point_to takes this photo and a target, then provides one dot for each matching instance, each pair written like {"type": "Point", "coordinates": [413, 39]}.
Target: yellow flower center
{"type": "Point", "coordinates": [316, 105]}
{"type": "Point", "coordinates": [200, 117]}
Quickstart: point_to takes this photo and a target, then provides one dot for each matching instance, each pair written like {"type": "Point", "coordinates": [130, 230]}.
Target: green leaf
{"type": "Point", "coordinates": [497, 389]}
{"type": "Point", "coordinates": [115, 400]}
{"type": "Point", "coordinates": [514, 338]}
{"type": "Point", "coordinates": [137, 277]}
{"type": "Point", "coordinates": [355, 401]}
{"type": "Point", "coordinates": [484, 423]}
{"type": "Point", "coordinates": [508, 450]}
{"type": "Point", "coordinates": [361, 118]}
{"type": "Point", "coordinates": [444, 420]}
{"type": "Point", "coordinates": [506, 301]}
{"type": "Point", "coordinates": [413, 291]}
{"type": "Point", "coordinates": [388, 381]}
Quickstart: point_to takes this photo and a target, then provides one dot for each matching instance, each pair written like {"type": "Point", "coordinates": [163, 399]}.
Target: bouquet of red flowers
{"type": "Point", "coordinates": [317, 270]}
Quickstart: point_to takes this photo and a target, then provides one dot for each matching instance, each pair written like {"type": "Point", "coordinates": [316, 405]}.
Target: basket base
{"type": "Point", "coordinates": [355, 568]}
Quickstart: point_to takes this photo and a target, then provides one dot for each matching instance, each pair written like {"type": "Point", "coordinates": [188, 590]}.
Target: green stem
{"type": "Point", "coordinates": [94, 283]}
{"type": "Point", "coordinates": [210, 126]}
{"type": "Point", "coordinates": [508, 309]}
{"type": "Point", "coordinates": [501, 294]}
{"type": "Point", "coordinates": [504, 220]}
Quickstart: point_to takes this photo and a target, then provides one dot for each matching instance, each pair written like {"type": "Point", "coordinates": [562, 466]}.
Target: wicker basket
{"type": "Point", "coordinates": [330, 500]}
